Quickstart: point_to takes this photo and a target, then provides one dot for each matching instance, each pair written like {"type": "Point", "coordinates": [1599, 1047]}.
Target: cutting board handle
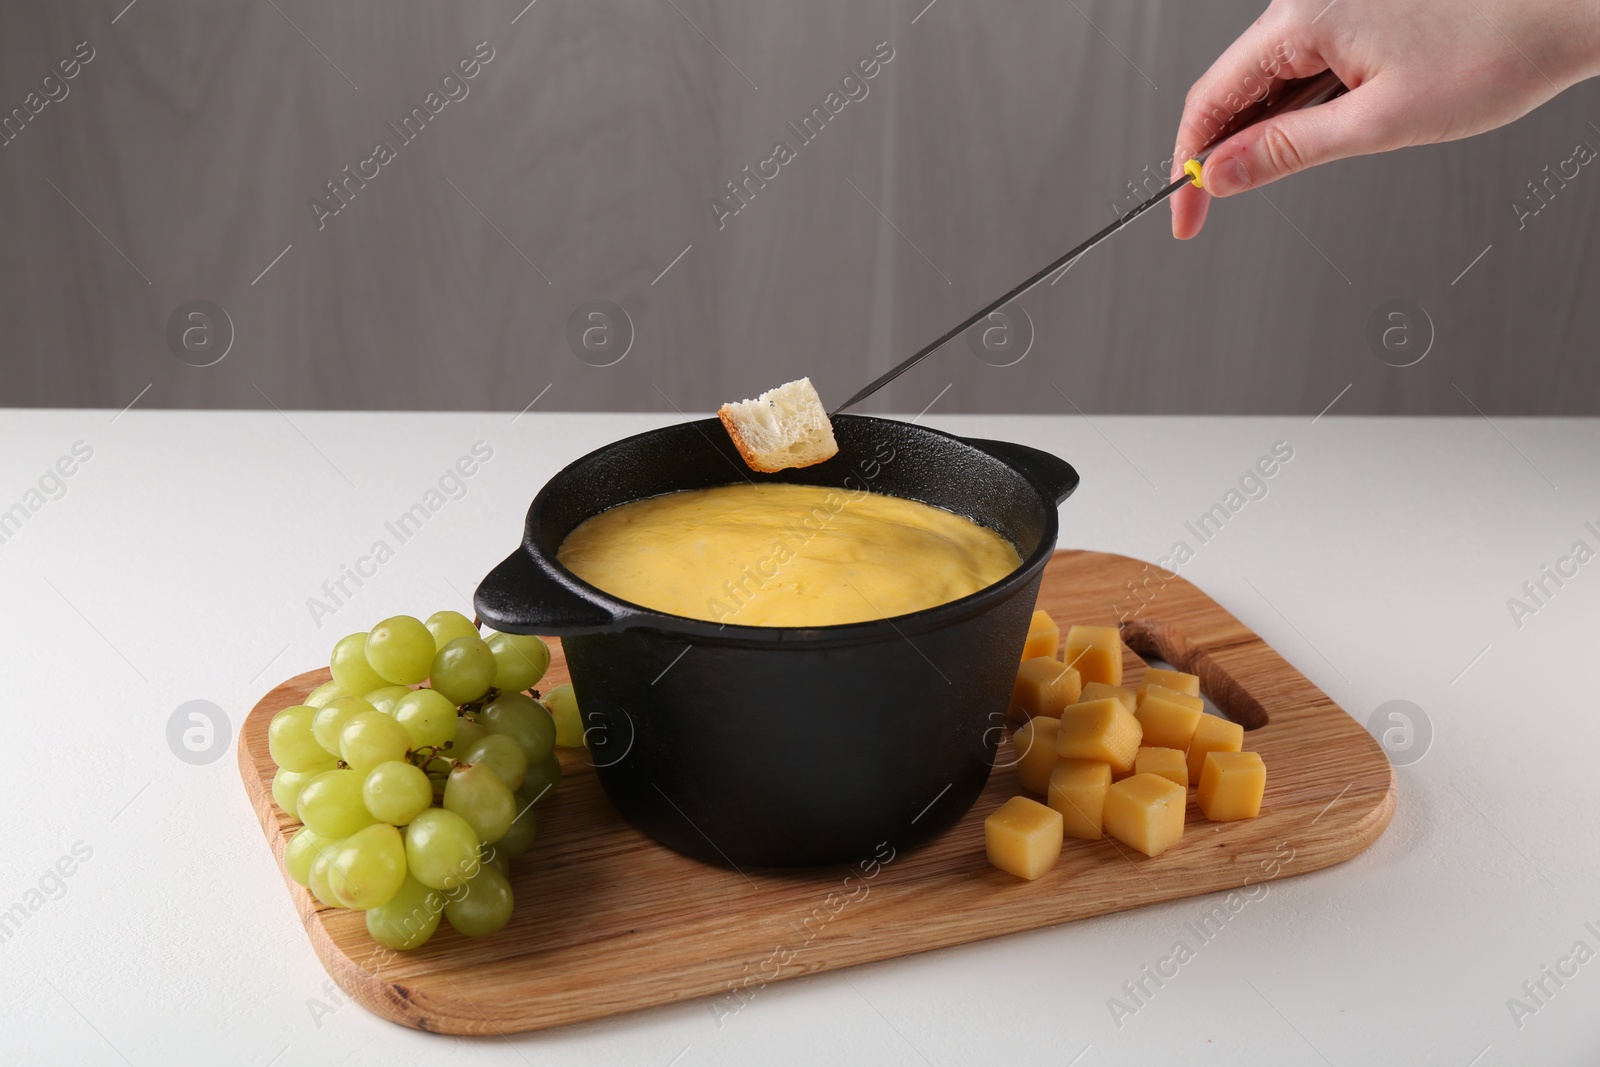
{"type": "Point", "coordinates": [1153, 638]}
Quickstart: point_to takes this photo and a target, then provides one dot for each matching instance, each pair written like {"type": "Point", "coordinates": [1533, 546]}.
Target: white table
{"type": "Point", "coordinates": [178, 564]}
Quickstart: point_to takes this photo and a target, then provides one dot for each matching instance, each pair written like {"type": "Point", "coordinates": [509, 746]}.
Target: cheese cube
{"type": "Point", "coordinates": [1183, 683]}
{"type": "Point", "coordinates": [1097, 653]}
{"type": "Point", "coordinates": [1035, 745]}
{"type": "Point", "coordinates": [1100, 690]}
{"type": "Point", "coordinates": [1169, 717]}
{"type": "Point", "coordinates": [1176, 696]}
{"type": "Point", "coordinates": [1212, 735]}
{"type": "Point", "coordinates": [1231, 785]}
{"type": "Point", "coordinates": [1044, 637]}
{"type": "Point", "coordinates": [1044, 686]}
{"type": "Point", "coordinates": [1145, 812]}
{"type": "Point", "coordinates": [1078, 791]}
{"type": "Point", "coordinates": [1023, 837]}
{"type": "Point", "coordinates": [1169, 763]}
{"type": "Point", "coordinates": [1100, 730]}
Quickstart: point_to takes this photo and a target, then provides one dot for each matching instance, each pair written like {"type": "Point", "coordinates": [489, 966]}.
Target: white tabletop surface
{"type": "Point", "coordinates": [178, 563]}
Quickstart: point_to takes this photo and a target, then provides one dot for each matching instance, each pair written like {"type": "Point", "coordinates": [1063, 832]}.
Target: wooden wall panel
{"type": "Point", "coordinates": [585, 157]}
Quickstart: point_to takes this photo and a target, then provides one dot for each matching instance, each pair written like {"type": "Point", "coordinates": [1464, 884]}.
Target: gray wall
{"type": "Point", "coordinates": [182, 160]}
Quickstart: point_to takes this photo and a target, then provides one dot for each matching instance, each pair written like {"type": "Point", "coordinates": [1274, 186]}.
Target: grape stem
{"type": "Point", "coordinates": [423, 756]}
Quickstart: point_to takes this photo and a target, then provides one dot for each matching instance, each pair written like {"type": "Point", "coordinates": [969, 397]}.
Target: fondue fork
{"type": "Point", "coordinates": [1293, 96]}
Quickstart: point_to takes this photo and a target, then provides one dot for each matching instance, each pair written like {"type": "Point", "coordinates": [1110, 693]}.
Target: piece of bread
{"type": "Point", "coordinates": [783, 427]}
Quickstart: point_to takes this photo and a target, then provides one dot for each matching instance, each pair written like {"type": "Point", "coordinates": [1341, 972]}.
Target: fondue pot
{"type": "Point", "coordinates": [790, 746]}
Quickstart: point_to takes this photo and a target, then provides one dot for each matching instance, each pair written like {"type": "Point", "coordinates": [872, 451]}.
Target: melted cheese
{"type": "Point", "coordinates": [785, 555]}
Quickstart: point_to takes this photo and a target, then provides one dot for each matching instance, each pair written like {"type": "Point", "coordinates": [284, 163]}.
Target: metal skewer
{"type": "Point", "coordinates": [1291, 96]}
{"type": "Point", "coordinates": [899, 369]}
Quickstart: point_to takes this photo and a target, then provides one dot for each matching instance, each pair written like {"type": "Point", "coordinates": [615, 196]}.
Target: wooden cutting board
{"type": "Point", "coordinates": [608, 921]}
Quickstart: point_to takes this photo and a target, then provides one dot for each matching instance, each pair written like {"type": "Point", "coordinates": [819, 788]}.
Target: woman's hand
{"type": "Point", "coordinates": [1419, 71]}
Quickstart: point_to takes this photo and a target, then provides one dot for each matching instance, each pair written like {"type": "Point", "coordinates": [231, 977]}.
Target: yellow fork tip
{"type": "Point", "coordinates": [1192, 169]}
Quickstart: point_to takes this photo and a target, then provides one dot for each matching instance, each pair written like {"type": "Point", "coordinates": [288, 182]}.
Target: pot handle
{"type": "Point", "coordinates": [521, 596]}
{"type": "Point", "coordinates": [1054, 476]}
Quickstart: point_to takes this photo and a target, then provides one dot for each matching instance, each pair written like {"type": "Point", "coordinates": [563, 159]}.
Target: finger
{"type": "Point", "coordinates": [1270, 51]}
{"type": "Point", "coordinates": [1262, 56]}
{"type": "Point", "coordinates": [1351, 125]}
{"type": "Point", "coordinates": [1189, 206]}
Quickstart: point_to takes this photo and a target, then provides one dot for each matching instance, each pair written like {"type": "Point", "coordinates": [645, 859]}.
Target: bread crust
{"type": "Point", "coordinates": [745, 452]}
{"type": "Point", "coordinates": [783, 428]}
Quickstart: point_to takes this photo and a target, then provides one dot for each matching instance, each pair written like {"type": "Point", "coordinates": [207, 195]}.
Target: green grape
{"type": "Point", "coordinates": [290, 740]}
{"type": "Point", "coordinates": [524, 720]}
{"type": "Point", "coordinates": [401, 650]}
{"type": "Point", "coordinates": [497, 857]}
{"type": "Point", "coordinates": [476, 793]}
{"type": "Point", "coordinates": [441, 849]}
{"type": "Point", "coordinates": [369, 738]}
{"type": "Point", "coordinates": [562, 704]}
{"type": "Point", "coordinates": [332, 716]}
{"type": "Point", "coordinates": [408, 919]}
{"type": "Point", "coordinates": [520, 660]}
{"type": "Point", "coordinates": [503, 756]}
{"type": "Point", "coordinates": [331, 804]}
{"type": "Point", "coordinates": [519, 838]}
{"type": "Point", "coordinates": [468, 733]}
{"type": "Point", "coordinates": [540, 781]}
{"type": "Point", "coordinates": [317, 879]}
{"type": "Point", "coordinates": [302, 849]}
{"type": "Point", "coordinates": [396, 792]}
{"type": "Point", "coordinates": [485, 906]}
{"type": "Point", "coordinates": [428, 718]}
{"type": "Point", "coordinates": [324, 693]}
{"type": "Point", "coordinates": [350, 668]}
{"type": "Point", "coordinates": [368, 868]}
{"type": "Point", "coordinates": [463, 670]}
{"type": "Point", "coordinates": [286, 785]}
{"type": "Point", "coordinates": [388, 698]}
{"type": "Point", "coordinates": [446, 626]}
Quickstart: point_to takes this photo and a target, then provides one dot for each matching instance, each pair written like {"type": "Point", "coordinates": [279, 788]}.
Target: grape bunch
{"type": "Point", "coordinates": [415, 798]}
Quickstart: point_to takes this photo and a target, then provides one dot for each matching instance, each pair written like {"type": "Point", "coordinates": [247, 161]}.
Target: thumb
{"type": "Point", "coordinates": [1287, 144]}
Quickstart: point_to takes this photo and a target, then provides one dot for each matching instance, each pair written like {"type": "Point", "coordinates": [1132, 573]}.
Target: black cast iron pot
{"type": "Point", "coordinates": [781, 746]}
